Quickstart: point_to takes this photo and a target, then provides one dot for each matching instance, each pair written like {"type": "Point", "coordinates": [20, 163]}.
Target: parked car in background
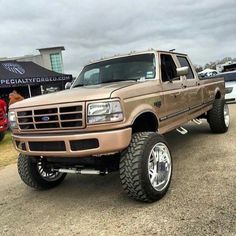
{"type": "Point", "coordinates": [3, 119]}
{"type": "Point", "coordinates": [230, 85]}
{"type": "Point", "coordinates": [207, 73]}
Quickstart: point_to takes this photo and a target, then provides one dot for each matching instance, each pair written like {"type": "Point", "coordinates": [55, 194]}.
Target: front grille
{"type": "Point", "coordinates": [52, 118]}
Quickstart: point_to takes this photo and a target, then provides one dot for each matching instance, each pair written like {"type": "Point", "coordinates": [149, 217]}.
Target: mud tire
{"type": "Point", "coordinates": [216, 117]}
{"type": "Point", "coordinates": [134, 173]}
{"type": "Point", "coordinates": [28, 171]}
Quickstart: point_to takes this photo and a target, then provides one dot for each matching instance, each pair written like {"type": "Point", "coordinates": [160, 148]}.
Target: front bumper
{"type": "Point", "coordinates": [230, 100]}
{"type": "Point", "coordinates": [73, 145]}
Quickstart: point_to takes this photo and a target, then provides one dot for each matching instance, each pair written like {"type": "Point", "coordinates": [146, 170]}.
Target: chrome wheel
{"type": "Point", "coordinates": [226, 115]}
{"type": "Point", "coordinates": [159, 166]}
{"type": "Point", "coordinates": [46, 174]}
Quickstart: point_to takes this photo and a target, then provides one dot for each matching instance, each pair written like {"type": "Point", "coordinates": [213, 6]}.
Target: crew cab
{"type": "Point", "coordinates": [113, 118]}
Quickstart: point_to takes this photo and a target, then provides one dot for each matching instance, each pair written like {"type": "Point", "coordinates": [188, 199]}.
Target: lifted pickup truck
{"type": "Point", "coordinates": [113, 117]}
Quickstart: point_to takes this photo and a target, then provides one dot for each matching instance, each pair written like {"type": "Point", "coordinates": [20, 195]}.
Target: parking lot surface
{"type": "Point", "coordinates": [201, 199]}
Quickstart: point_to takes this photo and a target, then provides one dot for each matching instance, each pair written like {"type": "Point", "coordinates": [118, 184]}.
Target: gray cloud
{"type": "Point", "coordinates": [91, 29]}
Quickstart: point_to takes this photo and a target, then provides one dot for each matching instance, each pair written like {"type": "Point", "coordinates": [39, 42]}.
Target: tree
{"type": "Point", "coordinates": [198, 68]}
{"type": "Point", "coordinates": [213, 64]}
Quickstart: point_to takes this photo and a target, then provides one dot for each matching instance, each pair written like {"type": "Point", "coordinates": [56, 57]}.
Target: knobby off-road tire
{"type": "Point", "coordinates": [2, 136]}
{"type": "Point", "coordinates": [34, 175]}
{"type": "Point", "coordinates": [136, 167]}
{"type": "Point", "coordinates": [218, 117]}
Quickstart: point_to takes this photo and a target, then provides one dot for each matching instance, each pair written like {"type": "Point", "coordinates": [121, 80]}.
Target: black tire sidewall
{"type": "Point", "coordinates": [28, 171]}
{"type": "Point", "coordinates": [216, 117]}
{"type": "Point", "coordinates": [222, 104]}
{"type": "Point", "coordinates": [40, 180]}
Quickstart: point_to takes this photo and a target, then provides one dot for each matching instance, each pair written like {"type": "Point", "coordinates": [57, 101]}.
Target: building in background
{"type": "Point", "coordinates": [29, 79]}
{"type": "Point", "coordinates": [49, 58]}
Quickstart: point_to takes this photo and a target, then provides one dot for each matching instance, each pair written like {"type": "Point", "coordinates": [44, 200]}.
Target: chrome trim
{"type": "Point", "coordinates": [33, 117]}
{"type": "Point", "coordinates": [159, 166]}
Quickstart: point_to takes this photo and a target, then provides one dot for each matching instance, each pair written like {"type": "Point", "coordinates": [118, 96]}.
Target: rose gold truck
{"type": "Point", "coordinates": [112, 118]}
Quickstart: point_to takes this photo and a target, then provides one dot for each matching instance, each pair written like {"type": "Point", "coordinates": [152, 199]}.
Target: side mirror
{"type": "Point", "coordinates": [68, 85]}
{"type": "Point", "coordinates": [182, 71]}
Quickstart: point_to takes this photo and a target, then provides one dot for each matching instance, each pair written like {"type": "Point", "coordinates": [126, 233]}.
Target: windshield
{"type": "Point", "coordinates": [135, 67]}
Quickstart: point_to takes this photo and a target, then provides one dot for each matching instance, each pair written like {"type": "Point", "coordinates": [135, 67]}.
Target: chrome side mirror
{"type": "Point", "coordinates": [68, 85]}
{"type": "Point", "coordinates": [182, 71]}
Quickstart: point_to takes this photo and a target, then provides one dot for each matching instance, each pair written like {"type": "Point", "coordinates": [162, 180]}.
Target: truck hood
{"type": "Point", "coordinates": [85, 93]}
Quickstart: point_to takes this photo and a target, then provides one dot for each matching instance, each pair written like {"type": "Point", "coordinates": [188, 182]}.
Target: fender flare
{"type": "Point", "coordinates": [146, 111]}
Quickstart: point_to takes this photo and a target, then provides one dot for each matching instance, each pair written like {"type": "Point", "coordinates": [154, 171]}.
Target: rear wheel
{"type": "Point", "coordinates": [2, 136]}
{"type": "Point", "coordinates": [218, 116]}
{"type": "Point", "coordinates": [146, 167]}
{"type": "Point", "coordinates": [35, 173]}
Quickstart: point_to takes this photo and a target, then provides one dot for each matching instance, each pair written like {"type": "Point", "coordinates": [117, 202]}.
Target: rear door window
{"type": "Point", "coordinates": [183, 61]}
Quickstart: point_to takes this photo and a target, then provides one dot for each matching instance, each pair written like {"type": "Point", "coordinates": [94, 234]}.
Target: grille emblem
{"type": "Point", "coordinates": [45, 118]}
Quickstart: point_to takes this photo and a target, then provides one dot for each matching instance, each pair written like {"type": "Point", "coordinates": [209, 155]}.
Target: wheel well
{"type": "Point", "coordinates": [145, 122]}
{"type": "Point", "coordinates": [218, 95]}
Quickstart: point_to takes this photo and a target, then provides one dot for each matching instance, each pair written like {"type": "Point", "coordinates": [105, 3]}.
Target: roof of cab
{"type": "Point", "coordinates": [134, 53]}
{"type": "Point", "coordinates": [172, 52]}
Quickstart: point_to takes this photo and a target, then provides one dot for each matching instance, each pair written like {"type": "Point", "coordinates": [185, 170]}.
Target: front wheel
{"type": "Point", "coordinates": [146, 167]}
{"type": "Point", "coordinates": [35, 173]}
{"type": "Point", "coordinates": [218, 117]}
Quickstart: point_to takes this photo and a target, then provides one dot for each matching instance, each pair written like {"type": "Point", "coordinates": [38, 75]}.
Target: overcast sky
{"type": "Point", "coordinates": [90, 29]}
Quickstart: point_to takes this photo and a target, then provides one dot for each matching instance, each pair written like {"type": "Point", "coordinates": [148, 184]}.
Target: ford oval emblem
{"type": "Point", "coordinates": [45, 118]}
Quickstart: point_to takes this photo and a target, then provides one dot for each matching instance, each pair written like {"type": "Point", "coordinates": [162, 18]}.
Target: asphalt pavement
{"type": "Point", "coordinates": [201, 199]}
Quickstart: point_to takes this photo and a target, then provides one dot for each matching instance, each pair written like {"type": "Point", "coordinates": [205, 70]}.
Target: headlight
{"type": "Point", "coordinates": [100, 112]}
{"type": "Point", "coordinates": [12, 119]}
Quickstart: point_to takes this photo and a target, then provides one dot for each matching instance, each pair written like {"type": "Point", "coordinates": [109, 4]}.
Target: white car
{"type": "Point", "coordinates": [231, 97]}
{"type": "Point", "coordinates": [230, 85]}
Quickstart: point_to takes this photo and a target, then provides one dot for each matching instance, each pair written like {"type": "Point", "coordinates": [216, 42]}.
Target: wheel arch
{"type": "Point", "coordinates": [139, 124]}
{"type": "Point", "coordinates": [218, 93]}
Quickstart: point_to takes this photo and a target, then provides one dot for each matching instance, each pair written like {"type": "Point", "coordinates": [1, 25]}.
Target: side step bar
{"type": "Point", "coordinates": [182, 130]}
{"type": "Point", "coordinates": [197, 121]}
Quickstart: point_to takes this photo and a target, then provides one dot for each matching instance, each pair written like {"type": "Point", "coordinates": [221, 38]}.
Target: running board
{"type": "Point", "coordinates": [182, 130]}
{"type": "Point", "coordinates": [197, 121]}
{"type": "Point", "coordinates": [81, 171]}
